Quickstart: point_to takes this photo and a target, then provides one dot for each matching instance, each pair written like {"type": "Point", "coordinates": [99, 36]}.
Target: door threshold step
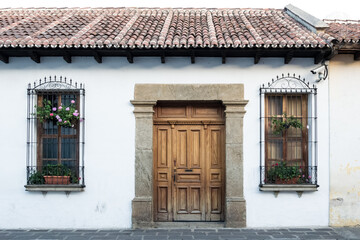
{"type": "Point", "coordinates": [189, 225]}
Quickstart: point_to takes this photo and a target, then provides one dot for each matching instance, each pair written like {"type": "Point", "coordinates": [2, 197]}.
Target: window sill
{"type": "Point", "coordinates": [55, 188]}
{"type": "Point", "coordinates": [299, 188]}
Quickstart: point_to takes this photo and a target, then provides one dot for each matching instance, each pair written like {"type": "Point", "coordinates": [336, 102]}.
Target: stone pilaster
{"type": "Point", "coordinates": [235, 203]}
{"type": "Point", "coordinates": [146, 96]}
{"type": "Point", "coordinates": [142, 209]}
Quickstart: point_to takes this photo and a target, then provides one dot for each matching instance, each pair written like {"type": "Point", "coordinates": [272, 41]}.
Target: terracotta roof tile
{"type": "Point", "coordinates": [153, 28]}
{"type": "Point", "coordinates": [343, 31]}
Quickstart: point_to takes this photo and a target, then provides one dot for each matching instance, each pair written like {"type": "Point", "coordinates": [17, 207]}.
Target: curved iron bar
{"type": "Point", "coordinates": [52, 85]}
{"type": "Point", "coordinates": [55, 83]}
{"type": "Point", "coordinates": [293, 82]}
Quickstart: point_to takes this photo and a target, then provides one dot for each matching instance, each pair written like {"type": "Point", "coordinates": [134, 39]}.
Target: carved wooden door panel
{"type": "Point", "coordinates": [215, 172]}
{"type": "Point", "coordinates": [162, 174]}
{"type": "Point", "coordinates": [188, 169]}
{"type": "Point", "coordinates": [189, 163]}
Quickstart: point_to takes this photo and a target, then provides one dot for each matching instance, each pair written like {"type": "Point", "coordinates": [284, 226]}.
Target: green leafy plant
{"type": "Point", "coordinates": [65, 116]}
{"type": "Point", "coordinates": [74, 179]}
{"type": "Point", "coordinates": [283, 172]}
{"type": "Point", "coordinates": [56, 170]}
{"type": "Point", "coordinates": [281, 124]}
{"type": "Point", "coordinates": [60, 170]}
{"type": "Point", "coordinates": [36, 178]}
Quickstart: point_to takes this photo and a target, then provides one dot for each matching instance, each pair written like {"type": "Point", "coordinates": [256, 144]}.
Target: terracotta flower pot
{"type": "Point", "coordinates": [287, 181]}
{"type": "Point", "coordinates": [57, 179]}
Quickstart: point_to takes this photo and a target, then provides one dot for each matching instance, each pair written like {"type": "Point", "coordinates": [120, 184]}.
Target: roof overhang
{"type": "Point", "coordinates": [318, 54]}
{"type": "Point", "coordinates": [349, 48]}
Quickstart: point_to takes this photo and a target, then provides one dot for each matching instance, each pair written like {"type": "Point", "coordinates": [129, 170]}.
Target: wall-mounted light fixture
{"type": "Point", "coordinates": [321, 71]}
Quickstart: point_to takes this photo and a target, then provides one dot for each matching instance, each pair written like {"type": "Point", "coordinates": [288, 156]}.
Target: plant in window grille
{"type": "Point", "coordinates": [63, 115]}
{"type": "Point", "coordinates": [288, 145]}
{"type": "Point", "coordinates": [55, 132]}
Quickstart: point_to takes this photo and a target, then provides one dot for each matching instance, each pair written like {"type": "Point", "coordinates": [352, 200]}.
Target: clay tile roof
{"type": "Point", "coordinates": [153, 28]}
{"type": "Point", "coordinates": [343, 30]}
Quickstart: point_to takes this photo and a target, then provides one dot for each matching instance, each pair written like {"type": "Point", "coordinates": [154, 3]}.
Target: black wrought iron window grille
{"type": "Point", "coordinates": [55, 152]}
{"type": "Point", "coordinates": [288, 132]}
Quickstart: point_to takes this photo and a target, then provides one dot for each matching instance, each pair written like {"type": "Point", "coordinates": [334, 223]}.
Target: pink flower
{"type": "Point", "coordinates": [303, 175]}
{"type": "Point", "coordinates": [76, 114]}
{"type": "Point", "coordinates": [72, 101]}
{"type": "Point", "coordinates": [67, 109]}
{"type": "Point", "coordinates": [60, 120]}
{"type": "Point", "coordinates": [51, 114]}
{"type": "Point", "coordinates": [65, 121]}
{"type": "Point", "coordinates": [54, 109]}
{"type": "Point", "coordinates": [309, 176]}
{"type": "Point", "coordinates": [60, 107]}
{"type": "Point", "coordinates": [57, 116]}
{"type": "Point", "coordinates": [277, 164]}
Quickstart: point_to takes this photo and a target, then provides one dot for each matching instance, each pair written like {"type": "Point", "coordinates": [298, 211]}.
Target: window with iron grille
{"type": "Point", "coordinates": [55, 139]}
{"type": "Point", "coordinates": [288, 141]}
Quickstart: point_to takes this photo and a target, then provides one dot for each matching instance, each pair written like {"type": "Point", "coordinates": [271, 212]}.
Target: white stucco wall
{"type": "Point", "coordinates": [344, 83]}
{"type": "Point", "coordinates": [109, 141]}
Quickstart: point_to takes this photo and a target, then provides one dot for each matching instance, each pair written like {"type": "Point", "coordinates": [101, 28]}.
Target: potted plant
{"type": "Point", "coordinates": [64, 116]}
{"type": "Point", "coordinates": [283, 123]}
{"type": "Point", "coordinates": [280, 173]}
{"type": "Point", "coordinates": [36, 178]}
{"type": "Point", "coordinates": [56, 174]}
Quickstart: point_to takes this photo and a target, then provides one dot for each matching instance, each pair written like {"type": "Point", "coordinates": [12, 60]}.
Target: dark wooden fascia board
{"type": "Point", "coordinates": [346, 48]}
{"type": "Point", "coordinates": [287, 53]}
{"type": "Point", "coordinates": [223, 57]}
{"type": "Point", "coordinates": [349, 46]}
{"type": "Point", "coordinates": [67, 57]}
{"type": "Point", "coordinates": [357, 56]}
{"type": "Point", "coordinates": [4, 58]}
{"type": "Point", "coordinates": [162, 57]}
{"type": "Point", "coordinates": [319, 57]}
{"type": "Point", "coordinates": [332, 54]}
{"type": "Point", "coordinates": [288, 57]}
{"type": "Point", "coordinates": [355, 52]}
{"type": "Point", "coordinates": [129, 56]}
{"type": "Point", "coordinates": [35, 56]}
{"type": "Point", "coordinates": [97, 57]}
{"type": "Point", "coordinates": [257, 57]}
{"type": "Point", "coordinates": [192, 56]}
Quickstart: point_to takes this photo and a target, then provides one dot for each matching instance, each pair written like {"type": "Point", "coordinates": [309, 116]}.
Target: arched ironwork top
{"type": "Point", "coordinates": [55, 84]}
{"type": "Point", "coordinates": [288, 84]}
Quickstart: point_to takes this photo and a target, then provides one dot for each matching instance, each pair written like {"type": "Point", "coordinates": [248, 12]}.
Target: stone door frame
{"type": "Point", "coordinates": [145, 98]}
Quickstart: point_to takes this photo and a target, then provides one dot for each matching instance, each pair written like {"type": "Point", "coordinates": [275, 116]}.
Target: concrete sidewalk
{"type": "Point", "coordinates": [186, 234]}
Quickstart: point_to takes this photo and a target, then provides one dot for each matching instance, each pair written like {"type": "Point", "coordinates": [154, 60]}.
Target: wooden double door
{"type": "Point", "coordinates": [189, 158]}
